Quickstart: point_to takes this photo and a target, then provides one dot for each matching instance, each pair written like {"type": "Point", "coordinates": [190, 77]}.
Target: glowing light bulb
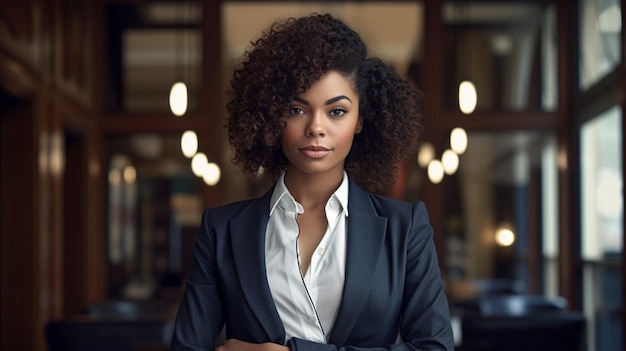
{"type": "Point", "coordinates": [505, 237]}
{"type": "Point", "coordinates": [212, 174]}
{"type": "Point", "coordinates": [199, 163]}
{"type": "Point", "coordinates": [435, 171]}
{"type": "Point", "coordinates": [450, 161]}
{"type": "Point", "coordinates": [178, 98]}
{"type": "Point", "coordinates": [468, 98]}
{"type": "Point", "coordinates": [426, 154]}
{"type": "Point", "coordinates": [189, 143]}
{"type": "Point", "coordinates": [458, 140]}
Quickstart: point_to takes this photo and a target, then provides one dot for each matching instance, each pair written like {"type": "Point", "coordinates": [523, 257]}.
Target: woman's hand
{"type": "Point", "coordinates": [238, 345]}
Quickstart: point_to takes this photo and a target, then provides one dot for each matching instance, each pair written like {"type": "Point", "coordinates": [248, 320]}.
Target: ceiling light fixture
{"type": "Point", "coordinates": [468, 96]}
{"type": "Point", "coordinates": [178, 93]}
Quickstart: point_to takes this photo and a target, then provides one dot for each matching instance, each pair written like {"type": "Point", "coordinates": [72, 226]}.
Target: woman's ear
{"type": "Point", "coordinates": [359, 126]}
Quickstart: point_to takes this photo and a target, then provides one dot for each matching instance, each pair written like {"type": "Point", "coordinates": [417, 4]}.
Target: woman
{"type": "Point", "coordinates": [321, 261]}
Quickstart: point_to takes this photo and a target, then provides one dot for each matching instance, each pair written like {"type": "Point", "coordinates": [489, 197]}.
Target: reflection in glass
{"type": "Point", "coordinates": [602, 212]}
{"type": "Point", "coordinates": [502, 183]}
{"type": "Point", "coordinates": [154, 208]}
{"type": "Point", "coordinates": [153, 45]}
{"type": "Point", "coordinates": [600, 39]}
{"type": "Point", "coordinates": [602, 186]}
{"type": "Point", "coordinates": [506, 49]}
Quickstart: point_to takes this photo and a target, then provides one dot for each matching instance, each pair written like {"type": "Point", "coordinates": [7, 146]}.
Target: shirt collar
{"type": "Point", "coordinates": [281, 195]}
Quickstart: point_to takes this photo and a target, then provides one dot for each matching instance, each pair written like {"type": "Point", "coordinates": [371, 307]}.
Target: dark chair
{"type": "Point", "coordinates": [87, 334]}
{"type": "Point", "coordinates": [132, 309]}
{"type": "Point", "coordinates": [564, 331]}
{"type": "Point", "coordinates": [519, 322]}
{"type": "Point", "coordinates": [485, 287]}
{"type": "Point", "coordinates": [517, 305]}
{"type": "Point", "coordinates": [509, 305]}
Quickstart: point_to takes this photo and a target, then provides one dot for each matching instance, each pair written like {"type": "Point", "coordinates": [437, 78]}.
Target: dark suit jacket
{"type": "Point", "coordinates": [393, 285]}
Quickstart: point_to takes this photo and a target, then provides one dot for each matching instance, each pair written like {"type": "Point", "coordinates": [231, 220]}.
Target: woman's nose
{"type": "Point", "coordinates": [315, 127]}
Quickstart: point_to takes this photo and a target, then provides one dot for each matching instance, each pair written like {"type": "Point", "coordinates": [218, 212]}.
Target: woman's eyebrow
{"type": "Point", "coordinates": [337, 98]}
{"type": "Point", "coordinates": [328, 102]}
{"type": "Point", "coordinates": [301, 100]}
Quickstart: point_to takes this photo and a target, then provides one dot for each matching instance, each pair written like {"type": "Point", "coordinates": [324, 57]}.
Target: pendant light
{"type": "Point", "coordinates": [178, 93]}
{"type": "Point", "coordinates": [468, 96]}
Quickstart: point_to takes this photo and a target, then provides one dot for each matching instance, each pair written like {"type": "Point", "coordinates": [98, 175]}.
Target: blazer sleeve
{"type": "Point", "coordinates": [425, 322]}
{"type": "Point", "coordinates": [200, 316]}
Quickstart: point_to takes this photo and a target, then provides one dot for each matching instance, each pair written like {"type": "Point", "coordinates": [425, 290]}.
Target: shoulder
{"type": "Point", "coordinates": [251, 208]}
{"type": "Point", "coordinates": [390, 208]}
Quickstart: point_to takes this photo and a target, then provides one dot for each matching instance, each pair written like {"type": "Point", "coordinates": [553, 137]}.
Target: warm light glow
{"type": "Point", "coordinates": [425, 154]}
{"type": "Point", "coordinates": [130, 174]}
{"type": "Point", "coordinates": [467, 97]}
{"type": "Point", "coordinates": [435, 171]}
{"type": "Point", "coordinates": [57, 154]}
{"type": "Point", "coordinates": [458, 140]}
{"type": "Point", "coordinates": [94, 168]}
{"type": "Point", "coordinates": [212, 174]}
{"type": "Point", "coordinates": [199, 163]}
{"type": "Point", "coordinates": [505, 237]}
{"type": "Point", "coordinates": [178, 98]}
{"type": "Point", "coordinates": [561, 159]}
{"type": "Point", "coordinates": [450, 161]}
{"type": "Point", "coordinates": [189, 143]}
{"type": "Point", "coordinates": [115, 177]}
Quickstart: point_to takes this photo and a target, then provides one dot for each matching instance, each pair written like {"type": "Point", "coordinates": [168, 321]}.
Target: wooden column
{"type": "Point", "coordinates": [567, 163]}
{"type": "Point", "coordinates": [433, 194]}
{"type": "Point", "coordinates": [212, 109]}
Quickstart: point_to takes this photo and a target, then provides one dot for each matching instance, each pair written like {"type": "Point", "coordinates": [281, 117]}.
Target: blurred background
{"type": "Point", "coordinates": [112, 143]}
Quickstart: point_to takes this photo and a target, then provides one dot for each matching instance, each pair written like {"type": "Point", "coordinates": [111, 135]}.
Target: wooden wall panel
{"type": "Point", "coordinates": [45, 94]}
{"type": "Point", "coordinates": [18, 28]}
{"type": "Point", "coordinates": [73, 49]}
{"type": "Point", "coordinates": [19, 220]}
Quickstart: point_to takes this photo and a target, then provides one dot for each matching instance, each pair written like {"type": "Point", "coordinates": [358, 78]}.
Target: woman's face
{"type": "Point", "coordinates": [320, 126]}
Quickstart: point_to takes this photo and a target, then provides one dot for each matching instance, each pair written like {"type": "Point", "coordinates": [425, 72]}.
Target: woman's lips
{"type": "Point", "coordinates": [315, 151]}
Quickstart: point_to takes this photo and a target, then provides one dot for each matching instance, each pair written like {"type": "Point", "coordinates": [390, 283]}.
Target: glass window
{"type": "Point", "coordinates": [600, 39]}
{"type": "Point", "coordinates": [152, 47]}
{"type": "Point", "coordinates": [501, 210]}
{"type": "Point", "coordinates": [506, 49]}
{"type": "Point", "coordinates": [154, 209]}
{"type": "Point", "coordinates": [602, 216]}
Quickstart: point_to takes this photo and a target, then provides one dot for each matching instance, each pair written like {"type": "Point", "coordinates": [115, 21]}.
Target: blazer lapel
{"type": "Point", "coordinates": [366, 235]}
{"type": "Point", "coordinates": [247, 231]}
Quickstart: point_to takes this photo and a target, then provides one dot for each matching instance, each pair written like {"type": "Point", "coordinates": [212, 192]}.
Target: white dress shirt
{"type": "Point", "coordinates": [308, 302]}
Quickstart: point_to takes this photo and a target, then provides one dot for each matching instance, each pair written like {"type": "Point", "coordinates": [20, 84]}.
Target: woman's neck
{"type": "Point", "coordinates": [312, 190]}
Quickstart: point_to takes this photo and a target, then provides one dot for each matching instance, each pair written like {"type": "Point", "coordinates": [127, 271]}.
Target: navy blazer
{"type": "Point", "coordinates": [393, 285]}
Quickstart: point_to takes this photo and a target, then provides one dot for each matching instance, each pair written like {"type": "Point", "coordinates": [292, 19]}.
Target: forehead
{"type": "Point", "coordinates": [332, 83]}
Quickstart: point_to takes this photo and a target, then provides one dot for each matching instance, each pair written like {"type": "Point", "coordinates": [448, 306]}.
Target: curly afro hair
{"type": "Point", "coordinates": [284, 63]}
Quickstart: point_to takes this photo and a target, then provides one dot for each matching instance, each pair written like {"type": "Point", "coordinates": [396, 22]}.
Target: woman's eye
{"type": "Point", "coordinates": [296, 111]}
{"type": "Point", "coordinates": [338, 112]}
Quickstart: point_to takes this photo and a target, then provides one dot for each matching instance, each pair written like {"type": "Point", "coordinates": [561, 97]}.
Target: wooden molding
{"type": "Point", "coordinates": [16, 78]}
